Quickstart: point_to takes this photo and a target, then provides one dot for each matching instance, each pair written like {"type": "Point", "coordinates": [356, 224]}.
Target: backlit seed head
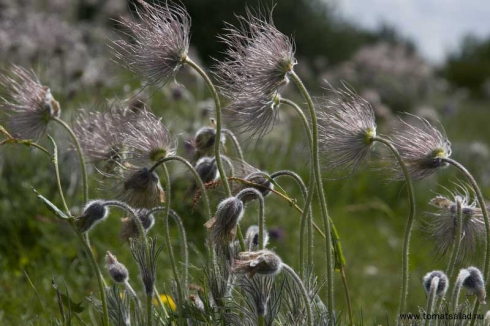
{"type": "Point", "coordinates": [252, 238]}
{"type": "Point", "coordinates": [443, 282]}
{"type": "Point", "coordinates": [259, 59]}
{"type": "Point", "coordinates": [26, 105]}
{"type": "Point", "coordinates": [441, 227]}
{"type": "Point", "coordinates": [130, 229]}
{"type": "Point", "coordinates": [262, 262]}
{"type": "Point", "coordinates": [475, 283]}
{"type": "Point", "coordinates": [93, 213]}
{"type": "Point", "coordinates": [347, 128]}
{"type": "Point", "coordinates": [118, 272]}
{"type": "Point", "coordinates": [421, 147]}
{"type": "Point", "coordinates": [159, 42]}
{"type": "Point", "coordinates": [224, 224]}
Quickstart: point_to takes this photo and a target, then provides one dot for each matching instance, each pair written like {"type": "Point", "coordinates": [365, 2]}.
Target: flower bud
{"type": "Point", "coordinates": [475, 283]}
{"type": "Point", "coordinates": [130, 229]}
{"type": "Point", "coordinates": [443, 282]}
{"type": "Point", "coordinates": [207, 169]}
{"type": "Point", "coordinates": [142, 189]}
{"type": "Point", "coordinates": [261, 179]}
{"type": "Point", "coordinates": [118, 272]}
{"type": "Point", "coordinates": [93, 212]}
{"type": "Point", "coordinates": [252, 238]}
{"type": "Point", "coordinates": [224, 224]}
{"type": "Point", "coordinates": [204, 140]}
{"type": "Point", "coordinates": [263, 262]}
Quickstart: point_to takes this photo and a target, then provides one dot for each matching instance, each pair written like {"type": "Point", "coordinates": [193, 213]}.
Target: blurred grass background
{"type": "Point", "coordinates": [65, 43]}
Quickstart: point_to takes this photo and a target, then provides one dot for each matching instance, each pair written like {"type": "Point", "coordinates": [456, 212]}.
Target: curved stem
{"type": "Point", "coordinates": [83, 238]}
{"type": "Point", "coordinates": [169, 242]}
{"type": "Point", "coordinates": [434, 284]}
{"type": "Point", "coordinates": [457, 239]}
{"type": "Point", "coordinates": [197, 178]}
{"type": "Point", "coordinates": [304, 293]}
{"type": "Point", "coordinates": [481, 203]}
{"type": "Point", "coordinates": [236, 143]}
{"type": "Point", "coordinates": [261, 219]}
{"type": "Point", "coordinates": [408, 228]}
{"type": "Point", "coordinates": [319, 183]}
{"type": "Point", "coordinates": [54, 159]}
{"type": "Point", "coordinates": [217, 142]}
{"type": "Point", "coordinates": [83, 166]}
{"type": "Point", "coordinates": [463, 274]}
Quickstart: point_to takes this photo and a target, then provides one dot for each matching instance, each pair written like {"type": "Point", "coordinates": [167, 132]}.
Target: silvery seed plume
{"type": "Point", "coordinates": [346, 127]}
{"type": "Point", "coordinates": [100, 135]}
{"type": "Point", "coordinates": [421, 147]}
{"type": "Point", "coordinates": [442, 225]}
{"type": "Point", "coordinates": [147, 265]}
{"type": "Point", "coordinates": [443, 282]}
{"type": "Point", "coordinates": [118, 272]}
{"type": "Point", "coordinates": [26, 105]}
{"type": "Point", "coordinates": [159, 42]}
{"type": "Point", "coordinates": [258, 60]}
{"type": "Point", "coordinates": [262, 262]}
{"type": "Point", "coordinates": [245, 171]}
{"type": "Point", "coordinates": [93, 213]}
{"type": "Point", "coordinates": [130, 229]}
{"type": "Point", "coordinates": [138, 187]}
{"type": "Point", "coordinates": [147, 140]}
{"type": "Point", "coordinates": [252, 238]}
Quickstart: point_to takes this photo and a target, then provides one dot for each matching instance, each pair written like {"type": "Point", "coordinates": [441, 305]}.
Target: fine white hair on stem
{"type": "Point", "coordinates": [347, 127]}
{"type": "Point", "coordinates": [158, 44]}
{"type": "Point", "coordinates": [421, 147]}
{"type": "Point", "coordinates": [258, 59]}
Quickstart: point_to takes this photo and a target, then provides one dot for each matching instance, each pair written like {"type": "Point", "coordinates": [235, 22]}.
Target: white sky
{"type": "Point", "coordinates": [436, 26]}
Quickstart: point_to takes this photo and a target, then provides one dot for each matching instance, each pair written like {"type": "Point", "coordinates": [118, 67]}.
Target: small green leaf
{"type": "Point", "coordinates": [52, 207]}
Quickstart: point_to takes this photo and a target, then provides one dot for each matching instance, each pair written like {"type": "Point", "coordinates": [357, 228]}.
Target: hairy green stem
{"type": "Point", "coordinates": [434, 284]}
{"type": "Point", "coordinates": [83, 166]}
{"type": "Point", "coordinates": [235, 142]}
{"type": "Point", "coordinates": [457, 239]}
{"type": "Point", "coordinates": [54, 159]}
{"type": "Point", "coordinates": [408, 228]}
{"type": "Point", "coordinates": [169, 242]}
{"type": "Point", "coordinates": [304, 293]}
{"type": "Point", "coordinates": [149, 309]}
{"type": "Point", "coordinates": [217, 142]}
{"type": "Point", "coordinates": [319, 183]}
{"type": "Point", "coordinates": [261, 219]}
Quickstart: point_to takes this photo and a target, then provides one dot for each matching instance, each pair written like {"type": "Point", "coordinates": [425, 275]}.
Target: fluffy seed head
{"type": "Point", "coordinates": [148, 140]}
{"type": "Point", "coordinates": [262, 262]}
{"type": "Point", "coordinates": [130, 229]}
{"type": "Point", "coordinates": [421, 147]}
{"type": "Point", "coordinates": [93, 213]}
{"type": "Point", "coordinates": [159, 42]}
{"type": "Point", "coordinates": [224, 224]}
{"type": "Point", "coordinates": [347, 127]}
{"type": "Point", "coordinates": [475, 283]}
{"type": "Point", "coordinates": [259, 58]}
{"type": "Point", "coordinates": [252, 238]}
{"type": "Point", "coordinates": [27, 105]}
{"type": "Point", "coordinates": [443, 282]}
{"type": "Point", "coordinates": [442, 226]}
{"type": "Point", "coordinates": [118, 272]}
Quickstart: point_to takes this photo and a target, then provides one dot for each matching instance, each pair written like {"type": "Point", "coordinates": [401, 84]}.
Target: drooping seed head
{"type": "Point", "coordinates": [207, 169]}
{"type": "Point", "coordinates": [346, 129]}
{"type": "Point", "coordinates": [118, 272]}
{"type": "Point", "coordinates": [443, 282]}
{"type": "Point", "coordinates": [130, 229]}
{"type": "Point", "coordinates": [148, 140]}
{"type": "Point", "coordinates": [421, 147]}
{"type": "Point", "coordinates": [252, 238]}
{"type": "Point", "coordinates": [204, 139]}
{"type": "Point", "coordinates": [26, 105]}
{"type": "Point", "coordinates": [262, 262]}
{"type": "Point", "coordinates": [93, 213]}
{"type": "Point", "coordinates": [259, 58]}
{"type": "Point", "coordinates": [159, 42]}
{"type": "Point", "coordinates": [442, 224]}
{"type": "Point", "coordinates": [223, 226]}
{"type": "Point", "coordinates": [475, 283]}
